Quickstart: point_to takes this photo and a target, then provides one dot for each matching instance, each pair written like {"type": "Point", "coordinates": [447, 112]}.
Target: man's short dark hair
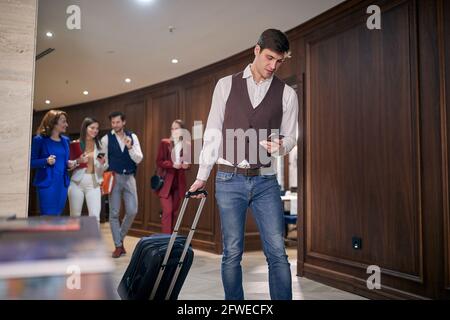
{"type": "Point", "coordinates": [117, 114]}
{"type": "Point", "coordinates": [274, 40]}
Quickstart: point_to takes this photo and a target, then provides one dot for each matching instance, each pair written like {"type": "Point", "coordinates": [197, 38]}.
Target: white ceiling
{"type": "Point", "coordinates": [128, 38]}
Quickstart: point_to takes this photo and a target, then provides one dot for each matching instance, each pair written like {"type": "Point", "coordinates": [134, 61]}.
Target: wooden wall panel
{"type": "Point", "coordinates": [444, 40]}
{"type": "Point", "coordinates": [431, 137]}
{"type": "Point", "coordinates": [362, 166]}
{"type": "Point", "coordinates": [162, 109]}
{"type": "Point", "coordinates": [100, 111]}
{"type": "Point", "coordinates": [240, 62]}
{"type": "Point", "coordinates": [372, 150]}
{"type": "Point", "coordinates": [362, 146]}
{"type": "Point", "coordinates": [75, 117]}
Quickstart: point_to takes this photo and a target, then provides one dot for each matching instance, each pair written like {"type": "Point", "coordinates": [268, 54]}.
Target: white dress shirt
{"type": "Point", "coordinates": [135, 152]}
{"type": "Point", "coordinates": [257, 91]}
{"type": "Point", "coordinates": [178, 146]}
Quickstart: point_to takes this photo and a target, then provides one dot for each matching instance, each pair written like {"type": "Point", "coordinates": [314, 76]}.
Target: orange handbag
{"type": "Point", "coordinates": [108, 182]}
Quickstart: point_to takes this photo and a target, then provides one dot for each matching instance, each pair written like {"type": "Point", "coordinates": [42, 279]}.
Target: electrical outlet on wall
{"type": "Point", "coordinates": [356, 243]}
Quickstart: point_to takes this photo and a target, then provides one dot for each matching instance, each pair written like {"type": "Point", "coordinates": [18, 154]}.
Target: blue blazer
{"type": "Point", "coordinates": [40, 151]}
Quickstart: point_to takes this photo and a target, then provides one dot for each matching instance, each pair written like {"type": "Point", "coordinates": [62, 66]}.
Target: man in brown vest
{"type": "Point", "coordinates": [253, 118]}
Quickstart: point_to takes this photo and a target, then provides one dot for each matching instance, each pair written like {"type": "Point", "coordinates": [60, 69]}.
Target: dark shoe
{"type": "Point", "coordinates": [118, 252]}
{"type": "Point", "coordinates": [123, 250]}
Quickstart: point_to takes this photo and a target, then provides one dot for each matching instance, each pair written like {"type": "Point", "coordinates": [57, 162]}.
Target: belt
{"type": "Point", "coordinates": [244, 171]}
{"type": "Point", "coordinates": [126, 173]}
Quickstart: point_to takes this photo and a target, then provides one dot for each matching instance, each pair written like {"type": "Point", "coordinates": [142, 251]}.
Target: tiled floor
{"type": "Point", "coordinates": [204, 283]}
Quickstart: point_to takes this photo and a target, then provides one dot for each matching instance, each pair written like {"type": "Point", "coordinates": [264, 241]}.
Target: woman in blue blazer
{"type": "Point", "coordinates": [50, 158]}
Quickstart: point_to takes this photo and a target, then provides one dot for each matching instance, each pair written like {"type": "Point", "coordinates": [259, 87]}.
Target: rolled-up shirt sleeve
{"type": "Point", "coordinates": [212, 137]}
{"type": "Point", "coordinates": [104, 143]}
{"type": "Point", "coordinates": [289, 122]}
{"type": "Point", "coordinates": [136, 151]}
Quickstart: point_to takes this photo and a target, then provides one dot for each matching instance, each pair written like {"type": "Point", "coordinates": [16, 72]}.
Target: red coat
{"type": "Point", "coordinates": [166, 169]}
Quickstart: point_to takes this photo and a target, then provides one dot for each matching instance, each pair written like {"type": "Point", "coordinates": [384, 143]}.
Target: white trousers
{"type": "Point", "coordinates": [88, 189]}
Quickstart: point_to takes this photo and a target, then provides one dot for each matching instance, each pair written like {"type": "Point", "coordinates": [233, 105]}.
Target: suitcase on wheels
{"type": "Point", "coordinates": [160, 263]}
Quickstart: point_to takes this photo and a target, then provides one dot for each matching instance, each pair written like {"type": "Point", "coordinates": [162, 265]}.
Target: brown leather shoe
{"type": "Point", "coordinates": [118, 252]}
{"type": "Point", "coordinates": [123, 250]}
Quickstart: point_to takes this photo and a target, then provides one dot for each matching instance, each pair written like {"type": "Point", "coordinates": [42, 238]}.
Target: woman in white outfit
{"type": "Point", "coordinates": [87, 177]}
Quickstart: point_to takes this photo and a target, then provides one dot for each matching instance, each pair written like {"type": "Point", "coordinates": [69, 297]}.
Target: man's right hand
{"type": "Point", "coordinates": [198, 185]}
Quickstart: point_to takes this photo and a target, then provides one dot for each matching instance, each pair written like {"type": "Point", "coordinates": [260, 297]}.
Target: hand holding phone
{"type": "Point", "coordinates": [101, 158]}
{"type": "Point", "coordinates": [273, 143]}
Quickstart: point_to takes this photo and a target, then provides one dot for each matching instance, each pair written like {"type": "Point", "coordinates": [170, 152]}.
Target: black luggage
{"type": "Point", "coordinates": [160, 263]}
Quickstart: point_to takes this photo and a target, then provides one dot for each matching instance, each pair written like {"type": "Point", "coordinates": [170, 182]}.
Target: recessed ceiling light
{"type": "Point", "coordinates": [174, 60]}
{"type": "Point", "coordinates": [127, 80]}
{"type": "Point", "coordinates": [49, 34]}
{"type": "Point", "coordinates": [85, 92]}
{"type": "Point", "coordinates": [145, 1]}
{"type": "Point", "coordinates": [47, 101]}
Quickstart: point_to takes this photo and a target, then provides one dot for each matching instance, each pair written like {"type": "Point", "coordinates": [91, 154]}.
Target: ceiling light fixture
{"type": "Point", "coordinates": [127, 80]}
{"type": "Point", "coordinates": [49, 34]}
{"type": "Point", "coordinates": [47, 101]}
{"type": "Point", "coordinates": [174, 60]}
{"type": "Point", "coordinates": [85, 92]}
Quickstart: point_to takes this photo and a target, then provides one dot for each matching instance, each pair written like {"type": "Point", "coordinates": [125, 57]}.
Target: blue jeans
{"type": "Point", "coordinates": [235, 193]}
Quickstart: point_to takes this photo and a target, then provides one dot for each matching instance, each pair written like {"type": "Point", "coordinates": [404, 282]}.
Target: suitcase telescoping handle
{"type": "Point", "coordinates": [173, 237]}
{"type": "Point", "coordinates": [195, 193]}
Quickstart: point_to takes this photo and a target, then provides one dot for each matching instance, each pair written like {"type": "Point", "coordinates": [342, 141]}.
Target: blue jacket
{"type": "Point", "coordinates": [40, 151]}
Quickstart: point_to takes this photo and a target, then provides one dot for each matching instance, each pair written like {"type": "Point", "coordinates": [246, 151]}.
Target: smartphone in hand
{"type": "Point", "coordinates": [274, 136]}
{"type": "Point", "coordinates": [100, 155]}
{"type": "Point", "coordinates": [271, 138]}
